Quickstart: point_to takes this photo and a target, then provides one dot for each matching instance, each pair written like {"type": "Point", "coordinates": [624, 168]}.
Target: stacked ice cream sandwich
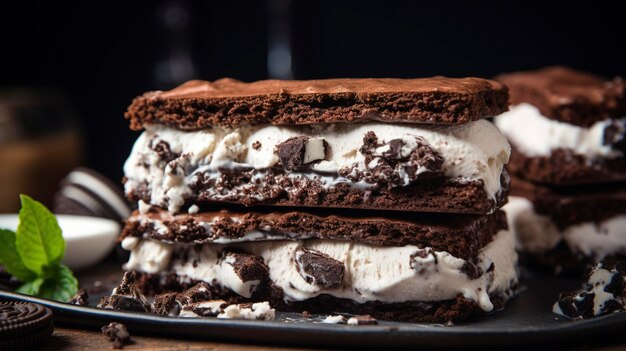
{"type": "Point", "coordinates": [566, 130]}
{"type": "Point", "coordinates": [364, 196]}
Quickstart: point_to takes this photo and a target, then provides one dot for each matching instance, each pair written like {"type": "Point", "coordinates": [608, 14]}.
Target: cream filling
{"type": "Point", "coordinates": [533, 232]}
{"type": "Point", "coordinates": [258, 311]}
{"type": "Point", "coordinates": [336, 319]}
{"type": "Point", "coordinates": [537, 233]}
{"type": "Point", "coordinates": [536, 135]}
{"type": "Point", "coordinates": [372, 273]}
{"type": "Point", "coordinates": [473, 151]}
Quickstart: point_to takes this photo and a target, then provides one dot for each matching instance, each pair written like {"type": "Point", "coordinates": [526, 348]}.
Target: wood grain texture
{"type": "Point", "coordinates": [65, 339]}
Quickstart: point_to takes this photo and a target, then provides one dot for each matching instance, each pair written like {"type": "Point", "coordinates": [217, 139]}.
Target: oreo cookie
{"type": "Point", "coordinates": [24, 325]}
{"type": "Point", "coordinates": [86, 192]}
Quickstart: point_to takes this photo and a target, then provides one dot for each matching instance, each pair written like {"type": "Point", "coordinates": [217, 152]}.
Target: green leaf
{"type": "Point", "coordinates": [34, 253]}
{"type": "Point", "coordinates": [61, 286]}
{"type": "Point", "coordinates": [39, 240]}
{"type": "Point", "coordinates": [10, 259]}
{"type": "Point", "coordinates": [31, 288]}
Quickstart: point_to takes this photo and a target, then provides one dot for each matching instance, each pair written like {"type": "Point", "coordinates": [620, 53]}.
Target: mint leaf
{"type": "Point", "coordinates": [61, 286]}
{"type": "Point", "coordinates": [10, 259]}
{"type": "Point", "coordinates": [34, 253]}
{"type": "Point", "coordinates": [31, 288]}
{"type": "Point", "coordinates": [39, 240]}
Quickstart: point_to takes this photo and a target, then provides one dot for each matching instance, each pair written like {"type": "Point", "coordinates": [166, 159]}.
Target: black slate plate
{"type": "Point", "coordinates": [527, 319]}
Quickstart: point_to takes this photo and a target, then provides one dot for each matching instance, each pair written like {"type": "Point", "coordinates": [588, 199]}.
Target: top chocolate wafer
{"type": "Point", "coordinates": [228, 102]}
{"type": "Point", "coordinates": [567, 95]}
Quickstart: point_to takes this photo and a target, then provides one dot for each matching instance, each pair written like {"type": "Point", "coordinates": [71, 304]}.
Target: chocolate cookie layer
{"type": "Point", "coordinates": [427, 312]}
{"type": "Point", "coordinates": [562, 229]}
{"type": "Point", "coordinates": [558, 261]}
{"type": "Point", "coordinates": [567, 206]}
{"type": "Point", "coordinates": [567, 95]}
{"type": "Point", "coordinates": [462, 236]}
{"type": "Point", "coordinates": [228, 102]}
{"type": "Point", "coordinates": [563, 167]}
{"type": "Point", "coordinates": [435, 195]}
{"type": "Point", "coordinates": [454, 310]}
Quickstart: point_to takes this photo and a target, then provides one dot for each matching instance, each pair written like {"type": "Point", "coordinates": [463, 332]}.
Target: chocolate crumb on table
{"type": "Point", "coordinates": [118, 334]}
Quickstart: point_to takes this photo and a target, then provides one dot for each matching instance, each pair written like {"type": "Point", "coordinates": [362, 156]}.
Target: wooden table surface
{"type": "Point", "coordinates": [65, 339]}
{"type": "Point", "coordinates": [76, 340]}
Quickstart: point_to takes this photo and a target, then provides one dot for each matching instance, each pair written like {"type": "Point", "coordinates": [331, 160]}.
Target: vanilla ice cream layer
{"type": "Point", "coordinates": [372, 273]}
{"type": "Point", "coordinates": [536, 135]}
{"type": "Point", "coordinates": [473, 151]}
{"type": "Point", "coordinates": [536, 233]}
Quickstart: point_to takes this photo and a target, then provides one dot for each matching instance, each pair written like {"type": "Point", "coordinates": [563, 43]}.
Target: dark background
{"type": "Point", "coordinates": [102, 54]}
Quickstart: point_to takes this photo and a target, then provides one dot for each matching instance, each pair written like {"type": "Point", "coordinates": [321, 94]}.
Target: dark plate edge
{"type": "Point", "coordinates": [309, 334]}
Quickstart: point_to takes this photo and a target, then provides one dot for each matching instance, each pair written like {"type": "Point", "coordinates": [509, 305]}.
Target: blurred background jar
{"type": "Point", "coordinates": [39, 144]}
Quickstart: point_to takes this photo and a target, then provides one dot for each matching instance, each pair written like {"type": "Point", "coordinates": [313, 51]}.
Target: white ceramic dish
{"type": "Point", "coordinates": [88, 239]}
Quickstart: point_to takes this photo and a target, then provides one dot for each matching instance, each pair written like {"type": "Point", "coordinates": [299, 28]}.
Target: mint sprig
{"type": "Point", "coordinates": [33, 254]}
{"type": "Point", "coordinates": [10, 258]}
{"type": "Point", "coordinates": [39, 240]}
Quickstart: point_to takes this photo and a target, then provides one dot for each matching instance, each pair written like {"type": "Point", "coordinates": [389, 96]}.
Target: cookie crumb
{"type": "Point", "coordinates": [362, 320]}
{"type": "Point", "coordinates": [602, 293]}
{"type": "Point", "coordinates": [337, 319]}
{"type": "Point", "coordinates": [118, 334]}
{"type": "Point", "coordinates": [255, 311]}
{"type": "Point", "coordinates": [126, 296]}
{"type": "Point", "coordinates": [81, 298]}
